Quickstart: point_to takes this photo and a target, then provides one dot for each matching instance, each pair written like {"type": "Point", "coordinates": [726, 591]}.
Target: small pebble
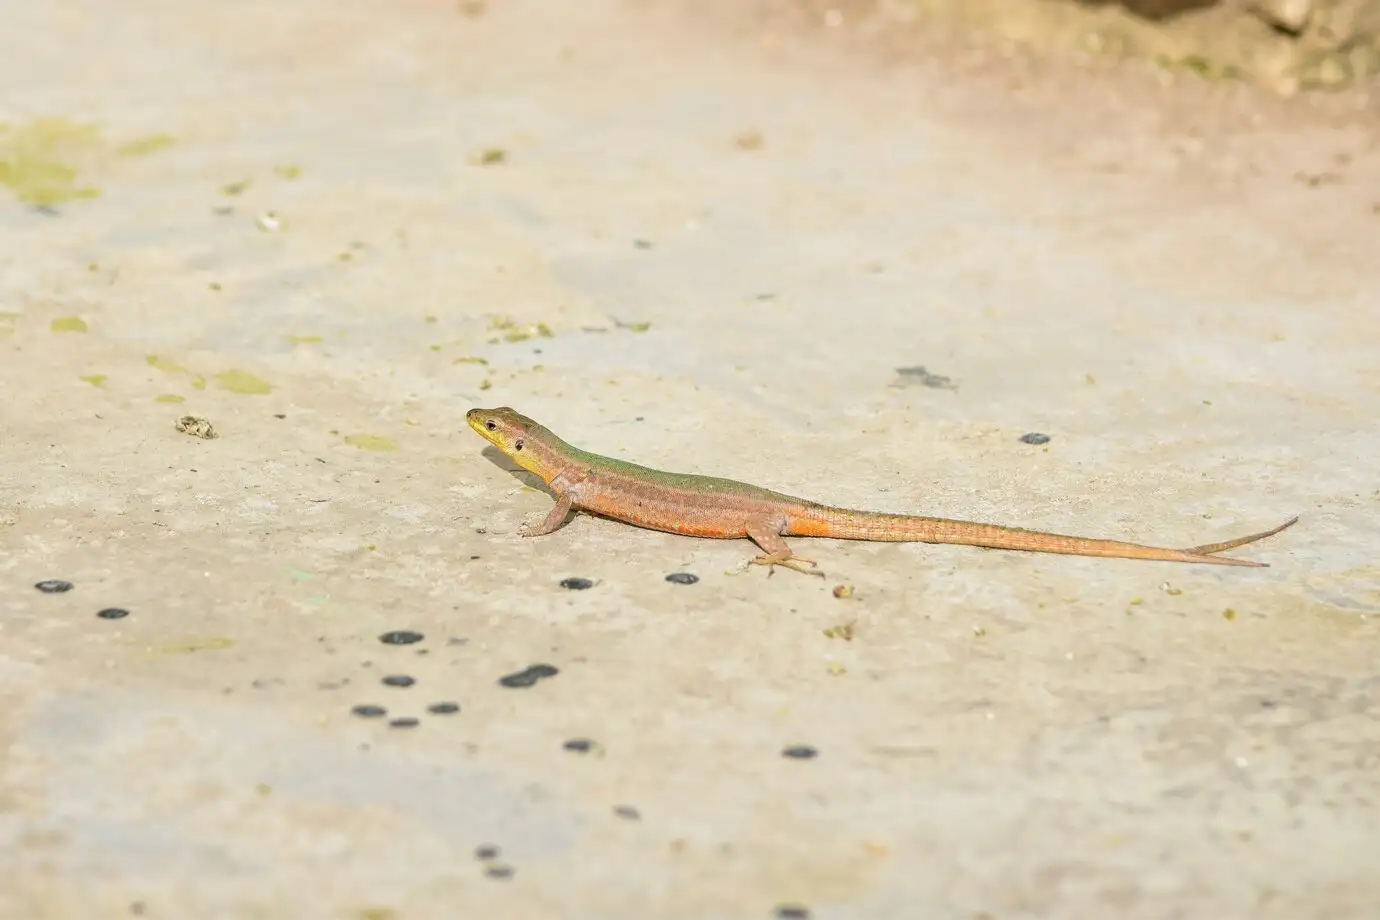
{"type": "Point", "coordinates": [401, 637]}
{"type": "Point", "coordinates": [112, 613]}
{"type": "Point", "coordinates": [486, 852]}
{"type": "Point", "coordinates": [579, 745]}
{"type": "Point", "coordinates": [627, 812]}
{"type": "Point", "coordinates": [799, 752]}
{"type": "Point", "coordinates": [499, 872]}
{"type": "Point", "coordinates": [54, 586]}
{"type": "Point", "coordinates": [792, 912]}
{"type": "Point", "coordinates": [398, 680]}
{"type": "Point", "coordinates": [528, 676]}
{"type": "Point", "coordinates": [682, 578]}
{"type": "Point", "coordinates": [443, 709]}
{"type": "Point", "coordinates": [1035, 438]}
{"type": "Point", "coordinates": [404, 722]}
{"type": "Point", "coordinates": [576, 584]}
{"type": "Point", "coordinates": [369, 712]}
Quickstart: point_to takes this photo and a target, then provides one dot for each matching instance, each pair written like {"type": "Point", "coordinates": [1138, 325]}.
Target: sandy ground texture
{"type": "Point", "coordinates": [725, 241]}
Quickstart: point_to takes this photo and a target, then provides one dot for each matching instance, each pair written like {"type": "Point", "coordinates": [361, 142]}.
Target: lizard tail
{"type": "Point", "coordinates": [843, 524]}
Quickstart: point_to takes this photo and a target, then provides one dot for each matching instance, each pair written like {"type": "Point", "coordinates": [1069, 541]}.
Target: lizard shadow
{"type": "Point", "coordinates": [501, 460]}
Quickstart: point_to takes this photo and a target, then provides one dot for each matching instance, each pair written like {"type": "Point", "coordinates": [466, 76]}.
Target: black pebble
{"type": "Point", "coordinates": [627, 812]}
{"type": "Point", "coordinates": [499, 872]}
{"type": "Point", "coordinates": [579, 745]}
{"type": "Point", "coordinates": [682, 578]}
{"type": "Point", "coordinates": [54, 586]}
{"type": "Point", "coordinates": [1034, 438]}
{"type": "Point", "coordinates": [443, 709]}
{"type": "Point", "coordinates": [485, 853]}
{"type": "Point", "coordinates": [799, 752]}
{"type": "Point", "coordinates": [528, 676]}
{"type": "Point", "coordinates": [369, 712]}
{"type": "Point", "coordinates": [792, 912]}
{"type": "Point", "coordinates": [401, 637]}
{"type": "Point", "coordinates": [576, 584]}
{"type": "Point", "coordinates": [112, 613]}
{"type": "Point", "coordinates": [404, 722]}
{"type": "Point", "coordinates": [398, 680]}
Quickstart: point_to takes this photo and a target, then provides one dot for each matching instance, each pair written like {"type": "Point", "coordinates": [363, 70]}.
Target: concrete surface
{"type": "Point", "coordinates": [705, 241]}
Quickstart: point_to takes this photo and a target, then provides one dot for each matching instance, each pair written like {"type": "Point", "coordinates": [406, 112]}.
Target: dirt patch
{"type": "Point", "coordinates": [1287, 46]}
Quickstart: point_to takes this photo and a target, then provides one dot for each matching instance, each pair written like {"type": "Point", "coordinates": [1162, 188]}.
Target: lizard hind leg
{"type": "Point", "coordinates": [776, 552]}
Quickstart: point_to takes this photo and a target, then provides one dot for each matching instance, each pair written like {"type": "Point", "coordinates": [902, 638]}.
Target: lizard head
{"type": "Point", "coordinates": [523, 440]}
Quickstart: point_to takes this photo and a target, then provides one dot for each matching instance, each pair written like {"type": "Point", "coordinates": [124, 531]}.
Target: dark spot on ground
{"type": "Point", "coordinates": [919, 374]}
{"type": "Point", "coordinates": [366, 711]}
{"type": "Point", "coordinates": [528, 676]}
{"type": "Point", "coordinates": [54, 586]}
{"type": "Point", "coordinates": [682, 578]}
{"type": "Point", "coordinates": [112, 613]}
{"type": "Point", "coordinates": [576, 584]}
{"type": "Point", "coordinates": [401, 637]}
{"type": "Point", "coordinates": [799, 752]}
{"type": "Point", "coordinates": [1035, 438]}
{"type": "Point", "coordinates": [399, 680]}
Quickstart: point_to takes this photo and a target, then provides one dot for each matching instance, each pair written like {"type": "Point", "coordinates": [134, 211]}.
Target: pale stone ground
{"type": "Point", "coordinates": [1178, 285]}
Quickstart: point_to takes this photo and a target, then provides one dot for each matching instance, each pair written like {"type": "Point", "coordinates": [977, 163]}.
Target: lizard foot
{"type": "Point", "coordinates": [798, 563]}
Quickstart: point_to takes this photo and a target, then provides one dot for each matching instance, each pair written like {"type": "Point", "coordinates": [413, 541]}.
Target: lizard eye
{"type": "Point", "coordinates": [491, 425]}
{"type": "Point", "coordinates": [517, 445]}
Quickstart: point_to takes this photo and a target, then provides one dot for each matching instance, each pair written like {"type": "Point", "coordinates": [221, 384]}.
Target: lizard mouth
{"type": "Point", "coordinates": [477, 421]}
{"type": "Point", "coordinates": [492, 429]}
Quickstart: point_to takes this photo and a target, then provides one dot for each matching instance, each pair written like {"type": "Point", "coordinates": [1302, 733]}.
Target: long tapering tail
{"type": "Point", "coordinates": [844, 524]}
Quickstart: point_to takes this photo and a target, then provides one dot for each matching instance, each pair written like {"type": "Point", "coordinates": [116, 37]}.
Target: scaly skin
{"type": "Point", "coordinates": [704, 506]}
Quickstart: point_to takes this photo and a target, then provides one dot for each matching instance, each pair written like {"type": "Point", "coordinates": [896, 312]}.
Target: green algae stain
{"type": "Point", "coordinates": [164, 365]}
{"type": "Point", "coordinates": [39, 161]}
{"type": "Point", "coordinates": [68, 324]}
{"type": "Point", "coordinates": [288, 172]}
{"type": "Point", "coordinates": [303, 339]}
{"type": "Point", "coordinates": [96, 380]}
{"type": "Point", "coordinates": [172, 367]}
{"type": "Point", "coordinates": [242, 382]}
{"type": "Point", "coordinates": [514, 331]}
{"type": "Point", "coordinates": [144, 146]}
{"type": "Point", "coordinates": [371, 442]}
{"type": "Point", "coordinates": [169, 398]}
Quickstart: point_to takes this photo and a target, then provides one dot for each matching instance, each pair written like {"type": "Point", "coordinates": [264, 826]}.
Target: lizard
{"type": "Point", "coordinates": [707, 506]}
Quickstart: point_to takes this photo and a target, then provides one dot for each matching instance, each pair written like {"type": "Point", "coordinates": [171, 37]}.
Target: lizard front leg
{"type": "Point", "coordinates": [775, 550]}
{"type": "Point", "coordinates": [566, 489]}
{"type": "Point", "coordinates": [552, 522]}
